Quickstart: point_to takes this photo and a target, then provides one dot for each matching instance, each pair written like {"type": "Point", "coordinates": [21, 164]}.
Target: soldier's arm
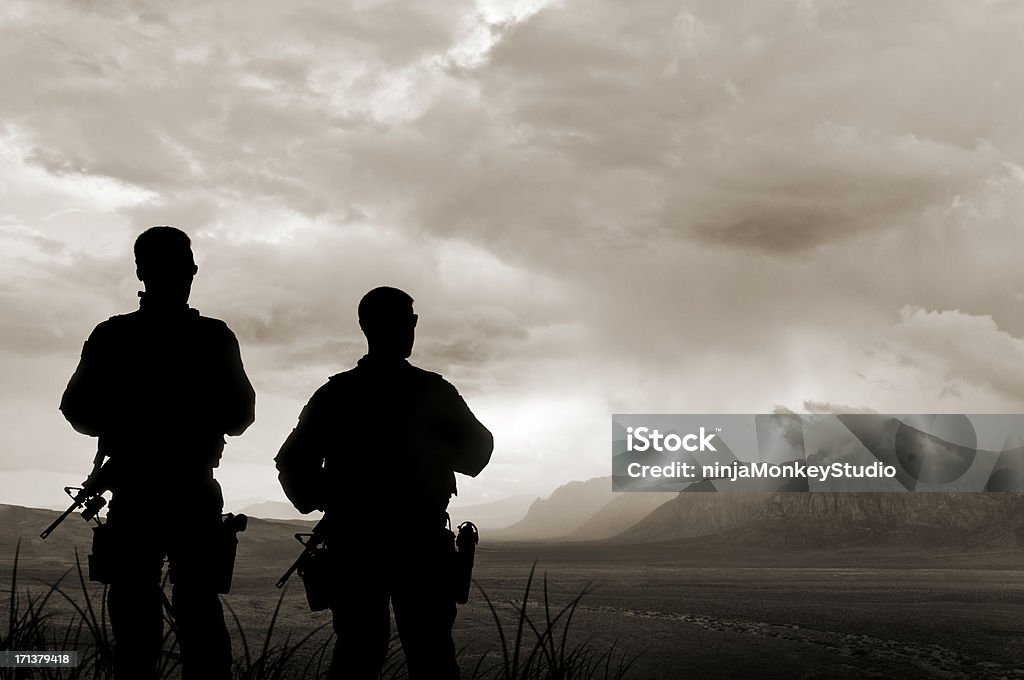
{"type": "Point", "coordinates": [239, 398]}
{"type": "Point", "coordinates": [85, 403]}
{"type": "Point", "coordinates": [301, 458]}
{"type": "Point", "coordinates": [470, 443]}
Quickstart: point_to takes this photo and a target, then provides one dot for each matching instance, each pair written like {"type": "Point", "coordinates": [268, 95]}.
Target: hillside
{"type": "Point", "coordinates": [583, 510]}
{"type": "Point", "coordinates": [823, 519]}
{"type": "Point", "coordinates": [273, 510]}
{"type": "Point", "coordinates": [264, 543]}
{"type": "Point", "coordinates": [623, 511]}
{"type": "Point", "coordinates": [492, 515]}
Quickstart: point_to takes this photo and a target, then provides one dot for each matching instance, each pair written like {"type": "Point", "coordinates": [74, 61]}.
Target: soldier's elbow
{"type": "Point", "coordinates": [81, 425]}
{"type": "Point", "coordinates": [84, 428]}
{"type": "Point", "coordinates": [239, 427]}
{"type": "Point", "coordinates": [479, 455]}
{"type": "Point", "coordinates": [241, 422]}
{"type": "Point", "coordinates": [486, 446]}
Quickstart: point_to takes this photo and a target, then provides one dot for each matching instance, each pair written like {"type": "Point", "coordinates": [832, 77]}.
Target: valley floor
{"type": "Point", "coordinates": [694, 611]}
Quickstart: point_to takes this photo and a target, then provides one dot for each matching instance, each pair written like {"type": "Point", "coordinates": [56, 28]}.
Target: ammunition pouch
{"type": "Point", "coordinates": [208, 558]}
{"type": "Point", "coordinates": [319, 572]}
{"type": "Point", "coordinates": [223, 550]}
{"type": "Point", "coordinates": [104, 556]}
{"type": "Point", "coordinates": [315, 572]}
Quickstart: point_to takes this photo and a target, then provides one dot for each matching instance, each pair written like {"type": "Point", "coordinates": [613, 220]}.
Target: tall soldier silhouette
{"type": "Point", "coordinates": [161, 387]}
{"type": "Point", "coordinates": [377, 447]}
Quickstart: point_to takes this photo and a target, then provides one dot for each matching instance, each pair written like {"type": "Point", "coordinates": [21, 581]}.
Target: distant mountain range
{"type": "Point", "coordinates": [490, 515]}
{"type": "Point", "coordinates": [265, 543]}
{"type": "Point", "coordinates": [275, 510]}
{"type": "Point", "coordinates": [583, 511]}
{"type": "Point", "coordinates": [810, 520]}
{"type": "Point", "coordinates": [587, 511]}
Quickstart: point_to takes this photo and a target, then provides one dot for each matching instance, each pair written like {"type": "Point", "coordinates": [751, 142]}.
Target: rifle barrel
{"type": "Point", "coordinates": [291, 570]}
{"type": "Point", "coordinates": [64, 515]}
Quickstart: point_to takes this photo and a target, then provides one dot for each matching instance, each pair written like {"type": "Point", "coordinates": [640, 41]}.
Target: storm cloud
{"type": "Point", "coordinates": [599, 207]}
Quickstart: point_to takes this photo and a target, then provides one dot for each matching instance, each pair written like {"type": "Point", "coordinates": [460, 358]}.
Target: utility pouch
{"type": "Point", "coordinates": [462, 555]}
{"type": "Point", "coordinates": [315, 572]}
{"type": "Point", "coordinates": [103, 558]}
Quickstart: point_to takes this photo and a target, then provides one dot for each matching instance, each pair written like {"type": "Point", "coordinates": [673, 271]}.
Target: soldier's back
{"type": "Point", "coordinates": [161, 389]}
{"type": "Point", "coordinates": [382, 455]}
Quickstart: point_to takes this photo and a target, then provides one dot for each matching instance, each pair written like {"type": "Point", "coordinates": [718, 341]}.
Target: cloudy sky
{"type": "Point", "coordinates": [599, 207]}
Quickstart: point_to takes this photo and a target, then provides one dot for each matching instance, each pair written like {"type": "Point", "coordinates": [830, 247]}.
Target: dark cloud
{"type": "Point", "coordinates": [597, 206]}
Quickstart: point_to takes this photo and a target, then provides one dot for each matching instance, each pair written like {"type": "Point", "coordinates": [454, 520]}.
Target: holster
{"type": "Point", "coordinates": [103, 559]}
{"type": "Point", "coordinates": [315, 572]}
{"type": "Point", "coordinates": [210, 560]}
{"type": "Point", "coordinates": [223, 550]}
{"type": "Point", "coordinates": [461, 557]}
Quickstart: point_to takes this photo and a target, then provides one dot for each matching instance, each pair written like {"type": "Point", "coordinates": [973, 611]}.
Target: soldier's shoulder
{"type": "Point", "coordinates": [119, 320]}
{"type": "Point", "coordinates": [431, 379]}
{"type": "Point", "coordinates": [425, 375]}
{"type": "Point", "coordinates": [213, 327]}
{"type": "Point", "coordinates": [115, 325]}
{"type": "Point", "coordinates": [338, 387]}
{"type": "Point", "coordinates": [348, 374]}
{"type": "Point", "coordinates": [210, 322]}
{"type": "Point", "coordinates": [342, 379]}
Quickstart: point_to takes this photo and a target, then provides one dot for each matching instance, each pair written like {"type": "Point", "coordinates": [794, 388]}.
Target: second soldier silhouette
{"type": "Point", "coordinates": [377, 448]}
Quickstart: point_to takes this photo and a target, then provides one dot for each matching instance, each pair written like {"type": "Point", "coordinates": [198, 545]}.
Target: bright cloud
{"type": "Point", "coordinates": [599, 207]}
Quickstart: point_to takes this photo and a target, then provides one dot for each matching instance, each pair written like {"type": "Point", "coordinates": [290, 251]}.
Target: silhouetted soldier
{"type": "Point", "coordinates": [161, 387]}
{"type": "Point", "coordinates": [377, 447]}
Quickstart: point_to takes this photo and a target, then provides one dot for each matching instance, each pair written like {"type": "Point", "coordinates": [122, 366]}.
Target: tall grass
{"type": "Point", "coordinates": [535, 642]}
{"type": "Point", "coordinates": [277, 660]}
{"type": "Point", "coordinates": [33, 626]}
{"type": "Point", "coordinates": [27, 621]}
{"type": "Point", "coordinates": [542, 647]}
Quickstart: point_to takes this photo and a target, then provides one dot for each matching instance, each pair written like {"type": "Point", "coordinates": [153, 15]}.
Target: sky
{"type": "Point", "coordinates": [599, 207]}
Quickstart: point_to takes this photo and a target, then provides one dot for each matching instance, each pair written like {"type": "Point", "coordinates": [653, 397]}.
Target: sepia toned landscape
{"type": "Point", "coordinates": [701, 585]}
{"type": "Point", "coordinates": [802, 207]}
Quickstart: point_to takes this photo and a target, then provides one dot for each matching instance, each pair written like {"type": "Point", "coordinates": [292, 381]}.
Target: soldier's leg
{"type": "Point", "coordinates": [137, 625]}
{"type": "Point", "coordinates": [424, 623]}
{"type": "Point", "coordinates": [425, 610]}
{"type": "Point", "coordinates": [202, 634]}
{"type": "Point", "coordinates": [134, 599]}
{"type": "Point", "coordinates": [363, 625]}
{"type": "Point", "coordinates": [360, 614]}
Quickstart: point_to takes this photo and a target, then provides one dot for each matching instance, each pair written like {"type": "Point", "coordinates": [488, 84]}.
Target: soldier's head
{"type": "Point", "coordinates": [164, 263]}
{"type": "Point", "coordinates": [388, 322]}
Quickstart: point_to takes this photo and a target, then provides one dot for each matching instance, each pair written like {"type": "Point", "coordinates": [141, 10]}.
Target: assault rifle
{"type": "Point", "coordinates": [312, 543]}
{"type": "Point", "coordinates": [313, 567]}
{"type": "Point", "coordinates": [88, 497]}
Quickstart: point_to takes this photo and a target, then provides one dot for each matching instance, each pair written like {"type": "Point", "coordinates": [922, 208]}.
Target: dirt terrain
{"type": "Point", "coordinates": [840, 615]}
{"type": "Point", "coordinates": [696, 608]}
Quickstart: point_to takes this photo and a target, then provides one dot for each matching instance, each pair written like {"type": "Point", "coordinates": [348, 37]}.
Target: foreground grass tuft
{"type": "Point", "coordinates": [534, 642]}
{"type": "Point", "coordinates": [545, 650]}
